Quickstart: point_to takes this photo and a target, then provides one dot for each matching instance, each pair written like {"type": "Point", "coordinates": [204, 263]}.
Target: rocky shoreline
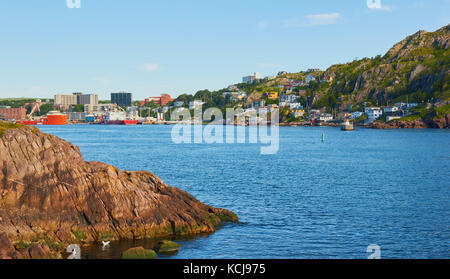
{"type": "Point", "coordinates": [435, 123]}
{"type": "Point", "coordinates": [50, 198]}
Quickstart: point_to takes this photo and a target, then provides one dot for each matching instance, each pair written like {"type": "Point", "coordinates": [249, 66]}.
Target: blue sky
{"type": "Point", "coordinates": [151, 47]}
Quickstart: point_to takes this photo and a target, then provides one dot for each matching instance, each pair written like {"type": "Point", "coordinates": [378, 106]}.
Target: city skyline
{"type": "Point", "coordinates": [149, 48]}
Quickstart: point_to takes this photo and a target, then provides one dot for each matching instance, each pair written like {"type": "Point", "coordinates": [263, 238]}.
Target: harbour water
{"type": "Point", "coordinates": [312, 199]}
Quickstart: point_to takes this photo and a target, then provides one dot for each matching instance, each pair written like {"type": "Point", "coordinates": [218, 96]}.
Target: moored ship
{"type": "Point", "coordinates": [55, 118]}
{"type": "Point", "coordinates": [119, 118]}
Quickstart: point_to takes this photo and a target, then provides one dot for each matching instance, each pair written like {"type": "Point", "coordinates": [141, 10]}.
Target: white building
{"type": "Point", "coordinates": [357, 114]}
{"type": "Point", "coordinates": [289, 98]}
{"type": "Point", "coordinates": [251, 79]}
{"type": "Point", "coordinates": [325, 117]}
{"type": "Point", "coordinates": [195, 104]}
{"type": "Point", "coordinates": [389, 110]}
{"type": "Point", "coordinates": [294, 106]}
{"type": "Point", "coordinates": [374, 113]}
{"type": "Point", "coordinates": [98, 109]}
{"type": "Point", "coordinates": [310, 78]}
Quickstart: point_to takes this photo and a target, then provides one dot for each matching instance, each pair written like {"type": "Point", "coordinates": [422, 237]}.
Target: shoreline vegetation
{"type": "Point", "coordinates": [51, 198]}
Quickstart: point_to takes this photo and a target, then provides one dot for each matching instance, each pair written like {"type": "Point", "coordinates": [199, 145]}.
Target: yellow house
{"type": "Point", "coordinates": [298, 112]}
{"type": "Point", "coordinates": [273, 95]}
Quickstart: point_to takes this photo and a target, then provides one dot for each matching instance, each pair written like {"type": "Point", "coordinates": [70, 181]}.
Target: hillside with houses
{"type": "Point", "coordinates": [414, 73]}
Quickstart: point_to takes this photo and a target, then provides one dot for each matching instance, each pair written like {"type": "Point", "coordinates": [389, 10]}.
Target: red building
{"type": "Point", "coordinates": [163, 100]}
{"type": "Point", "coordinates": [13, 113]}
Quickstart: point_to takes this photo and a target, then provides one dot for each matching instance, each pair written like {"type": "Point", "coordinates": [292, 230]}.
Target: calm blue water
{"type": "Point", "coordinates": [311, 200]}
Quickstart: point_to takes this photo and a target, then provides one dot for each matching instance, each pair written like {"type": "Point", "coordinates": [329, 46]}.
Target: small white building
{"type": "Point", "coordinates": [195, 104]}
{"type": "Point", "coordinates": [251, 79]}
{"type": "Point", "coordinates": [373, 113]}
{"type": "Point", "coordinates": [289, 98]}
{"type": "Point", "coordinates": [357, 114]}
{"type": "Point", "coordinates": [390, 118]}
{"type": "Point", "coordinates": [294, 106]}
{"type": "Point", "coordinates": [390, 110]}
{"type": "Point", "coordinates": [310, 78]}
{"type": "Point", "coordinates": [325, 117]}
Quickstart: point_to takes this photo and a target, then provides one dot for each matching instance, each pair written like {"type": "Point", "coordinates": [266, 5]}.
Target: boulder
{"type": "Point", "coordinates": [138, 253]}
{"type": "Point", "coordinates": [167, 247]}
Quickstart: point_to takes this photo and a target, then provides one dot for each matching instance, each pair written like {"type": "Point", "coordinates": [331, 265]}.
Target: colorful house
{"type": "Point", "coordinates": [273, 95]}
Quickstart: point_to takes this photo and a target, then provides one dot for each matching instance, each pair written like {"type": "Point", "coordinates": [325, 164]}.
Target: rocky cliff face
{"type": "Point", "coordinates": [50, 196]}
{"type": "Point", "coordinates": [417, 67]}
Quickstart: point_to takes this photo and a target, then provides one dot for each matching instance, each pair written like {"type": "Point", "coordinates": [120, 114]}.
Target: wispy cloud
{"type": "Point", "coordinates": [376, 5]}
{"type": "Point", "coordinates": [313, 20]}
{"type": "Point", "coordinates": [150, 67]}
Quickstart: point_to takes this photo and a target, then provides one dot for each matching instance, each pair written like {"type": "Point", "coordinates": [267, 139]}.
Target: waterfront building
{"type": "Point", "coordinates": [98, 108]}
{"type": "Point", "coordinates": [373, 113]}
{"type": "Point", "coordinates": [8, 113]}
{"type": "Point", "coordinates": [76, 116]}
{"type": "Point", "coordinates": [325, 117]}
{"type": "Point", "coordinates": [122, 99]}
{"type": "Point", "coordinates": [65, 101]}
{"type": "Point", "coordinates": [163, 100]}
{"type": "Point", "coordinates": [86, 99]}
{"type": "Point", "coordinates": [314, 114]}
{"type": "Point", "coordinates": [298, 112]}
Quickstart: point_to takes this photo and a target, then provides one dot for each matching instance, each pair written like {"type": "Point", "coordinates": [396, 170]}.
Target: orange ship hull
{"type": "Point", "coordinates": [28, 122]}
{"type": "Point", "coordinates": [59, 119]}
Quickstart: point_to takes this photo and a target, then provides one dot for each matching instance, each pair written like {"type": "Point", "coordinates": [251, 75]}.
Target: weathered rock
{"type": "Point", "coordinates": [7, 250]}
{"type": "Point", "coordinates": [49, 193]}
{"type": "Point", "coordinates": [167, 247]}
{"type": "Point", "coordinates": [138, 253]}
{"type": "Point", "coordinates": [440, 123]}
{"type": "Point", "coordinates": [38, 251]}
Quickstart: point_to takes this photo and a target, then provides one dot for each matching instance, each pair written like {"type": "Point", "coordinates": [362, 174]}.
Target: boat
{"type": "Point", "coordinates": [119, 118]}
{"type": "Point", "coordinates": [347, 126]}
{"type": "Point", "coordinates": [55, 118]}
{"type": "Point", "coordinates": [28, 122]}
